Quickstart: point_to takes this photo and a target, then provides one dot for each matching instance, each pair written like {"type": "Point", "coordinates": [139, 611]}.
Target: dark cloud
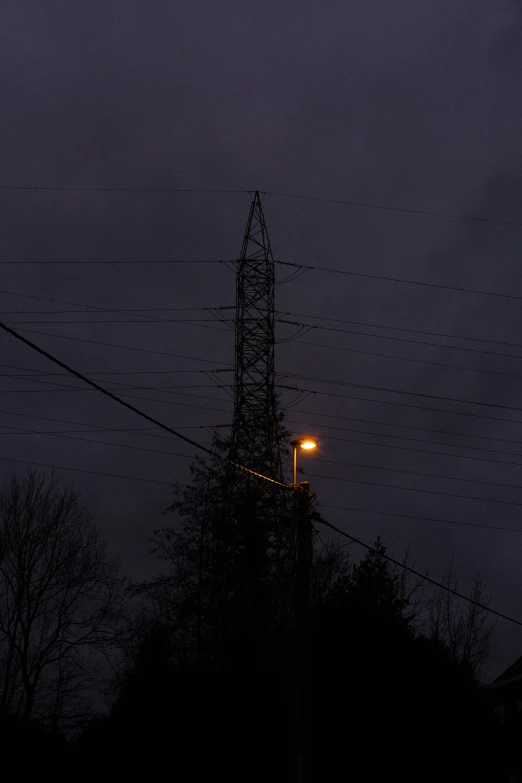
{"type": "Point", "coordinates": [382, 102]}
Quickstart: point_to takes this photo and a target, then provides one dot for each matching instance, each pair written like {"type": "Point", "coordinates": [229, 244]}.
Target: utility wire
{"type": "Point", "coordinates": [202, 323]}
{"type": "Point", "coordinates": [400, 280]}
{"type": "Point", "coordinates": [151, 318]}
{"type": "Point", "coordinates": [122, 189]}
{"type": "Point", "coordinates": [125, 347]}
{"type": "Point", "coordinates": [199, 323]}
{"type": "Point", "coordinates": [402, 329]}
{"type": "Point", "coordinates": [314, 413]}
{"type": "Point", "coordinates": [408, 405]}
{"type": "Point", "coordinates": [411, 359]}
{"type": "Point", "coordinates": [82, 470]}
{"type": "Point", "coordinates": [155, 322]}
{"type": "Point", "coordinates": [119, 387]}
{"type": "Point", "coordinates": [134, 409]}
{"type": "Point", "coordinates": [345, 508]}
{"type": "Point", "coordinates": [387, 390]}
{"type": "Point", "coordinates": [387, 208]}
{"type": "Point", "coordinates": [282, 313]}
{"type": "Point", "coordinates": [68, 434]}
{"type": "Point", "coordinates": [32, 372]}
{"type": "Point", "coordinates": [88, 306]}
{"type": "Point", "coordinates": [420, 473]}
{"type": "Point", "coordinates": [40, 373]}
{"type": "Point", "coordinates": [413, 489]}
{"type": "Point", "coordinates": [110, 310]}
{"type": "Point", "coordinates": [406, 427]}
{"type": "Point", "coordinates": [128, 262]}
{"type": "Point", "coordinates": [416, 440]}
{"type": "Point", "coordinates": [417, 518]}
{"type": "Point", "coordinates": [22, 430]}
{"type": "Point", "coordinates": [99, 428]}
{"type": "Point", "coordinates": [151, 262]}
{"type": "Point", "coordinates": [323, 426]}
{"type": "Point", "coordinates": [403, 339]}
{"type": "Point", "coordinates": [435, 453]}
{"type": "Point", "coordinates": [422, 576]}
{"type": "Point", "coordinates": [222, 191]}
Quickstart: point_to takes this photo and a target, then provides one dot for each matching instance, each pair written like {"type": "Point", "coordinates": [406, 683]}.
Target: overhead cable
{"type": "Point", "coordinates": [424, 577]}
{"type": "Point", "coordinates": [127, 405]}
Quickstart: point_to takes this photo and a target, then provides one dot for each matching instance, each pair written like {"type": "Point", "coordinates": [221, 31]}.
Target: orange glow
{"type": "Point", "coordinates": [308, 444]}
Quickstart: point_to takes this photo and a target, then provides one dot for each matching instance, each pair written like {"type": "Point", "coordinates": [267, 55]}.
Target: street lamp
{"type": "Point", "coordinates": [302, 613]}
{"type": "Point", "coordinates": [302, 443]}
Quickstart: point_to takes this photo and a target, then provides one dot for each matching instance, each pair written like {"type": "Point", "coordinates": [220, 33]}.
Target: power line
{"type": "Point", "coordinates": [391, 391]}
{"type": "Point", "coordinates": [229, 307]}
{"type": "Point", "coordinates": [399, 280]}
{"type": "Point", "coordinates": [435, 453]}
{"type": "Point", "coordinates": [155, 322]}
{"type": "Point", "coordinates": [127, 310]}
{"type": "Point", "coordinates": [33, 372]}
{"type": "Point", "coordinates": [97, 442]}
{"type": "Point", "coordinates": [91, 307]}
{"type": "Point", "coordinates": [151, 318]}
{"type": "Point", "coordinates": [346, 508]}
{"type": "Point", "coordinates": [423, 576]}
{"type": "Point", "coordinates": [414, 489]}
{"type": "Point", "coordinates": [314, 413]}
{"type": "Point", "coordinates": [200, 322]}
{"type": "Point", "coordinates": [121, 189]}
{"type": "Point", "coordinates": [347, 418]}
{"type": "Point", "coordinates": [68, 434]}
{"type": "Point", "coordinates": [82, 470]}
{"type": "Point", "coordinates": [232, 307]}
{"type": "Point", "coordinates": [417, 440]}
{"type": "Point", "coordinates": [38, 373]}
{"type": "Point", "coordinates": [410, 406]}
{"type": "Point", "coordinates": [387, 208]}
{"type": "Point", "coordinates": [222, 191]}
{"type": "Point", "coordinates": [407, 427]}
{"type": "Point", "coordinates": [67, 389]}
{"type": "Point", "coordinates": [402, 340]}
{"type": "Point", "coordinates": [125, 347]}
{"type": "Point", "coordinates": [108, 310]}
{"type": "Point", "coordinates": [98, 427]}
{"type": "Point", "coordinates": [353, 440]}
{"type": "Point", "coordinates": [133, 408]}
{"type": "Point", "coordinates": [411, 359]}
{"type": "Point", "coordinates": [130, 396]}
{"type": "Point", "coordinates": [128, 262]}
{"type": "Point", "coordinates": [417, 518]}
{"type": "Point", "coordinates": [171, 390]}
{"type": "Point", "coordinates": [225, 261]}
{"type": "Point", "coordinates": [420, 473]}
{"type": "Point", "coordinates": [403, 329]}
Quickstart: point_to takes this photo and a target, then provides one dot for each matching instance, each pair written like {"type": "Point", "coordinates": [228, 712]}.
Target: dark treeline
{"type": "Point", "coordinates": [191, 676]}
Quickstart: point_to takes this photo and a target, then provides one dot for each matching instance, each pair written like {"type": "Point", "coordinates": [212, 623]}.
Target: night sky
{"type": "Point", "coordinates": [402, 104]}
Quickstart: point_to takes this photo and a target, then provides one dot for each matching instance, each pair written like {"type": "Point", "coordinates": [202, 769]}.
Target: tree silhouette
{"type": "Point", "coordinates": [61, 603]}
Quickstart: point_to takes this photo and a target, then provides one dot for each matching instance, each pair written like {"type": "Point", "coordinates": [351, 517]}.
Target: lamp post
{"type": "Point", "coordinates": [302, 614]}
{"type": "Point", "coordinates": [301, 443]}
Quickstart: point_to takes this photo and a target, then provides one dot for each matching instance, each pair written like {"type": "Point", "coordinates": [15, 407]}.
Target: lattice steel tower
{"type": "Point", "coordinates": [254, 431]}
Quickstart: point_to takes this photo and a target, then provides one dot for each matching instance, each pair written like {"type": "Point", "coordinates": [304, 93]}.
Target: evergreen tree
{"type": "Point", "coordinates": [230, 562]}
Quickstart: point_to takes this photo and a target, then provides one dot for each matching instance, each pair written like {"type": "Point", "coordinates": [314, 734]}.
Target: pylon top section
{"type": "Point", "coordinates": [254, 391]}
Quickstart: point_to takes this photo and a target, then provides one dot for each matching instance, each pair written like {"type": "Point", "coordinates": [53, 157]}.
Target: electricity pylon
{"type": "Point", "coordinates": [255, 424]}
{"type": "Point", "coordinates": [257, 511]}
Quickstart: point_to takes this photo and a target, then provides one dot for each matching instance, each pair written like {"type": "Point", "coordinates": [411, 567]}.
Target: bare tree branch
{"type": "Point", "coordinates": [62, 602]}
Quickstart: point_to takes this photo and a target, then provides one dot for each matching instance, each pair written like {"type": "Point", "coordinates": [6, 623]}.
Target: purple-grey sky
{"type": "Point", "coordinates": [401, 103]}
